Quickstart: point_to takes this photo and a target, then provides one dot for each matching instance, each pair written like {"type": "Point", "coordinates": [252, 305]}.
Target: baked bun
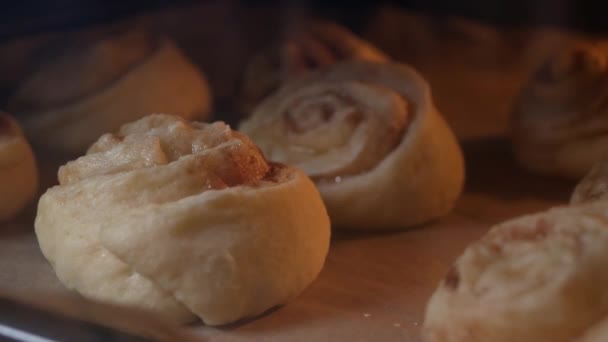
{"type": "Point", "coordinates": [560, 122]}
{"type": "Point", "coordinates": [370, 137]}
{"type": "Point", "coordinates": [539, 277]}
{"type": "Point", "coordinates": [184, 219]}
{"type": "Point", "coordinates": [306, 47]}
{"type": "Point", "coordinates": [18, 171]}
{"type": "Point", "coordinates": [90, 87]}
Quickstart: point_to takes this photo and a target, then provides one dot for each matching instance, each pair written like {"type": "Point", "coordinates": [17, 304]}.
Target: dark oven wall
{"type": "Point", "coordinates": [33, 16]}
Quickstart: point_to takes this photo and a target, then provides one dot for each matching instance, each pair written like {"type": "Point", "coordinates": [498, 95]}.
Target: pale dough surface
{"type": "Point", "coordinates": [184, 219]}
{"type": "Point", "coordinates": [539, 277]}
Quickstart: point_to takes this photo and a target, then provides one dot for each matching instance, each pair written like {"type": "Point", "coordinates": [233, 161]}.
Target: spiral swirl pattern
{"type": "Point", "coordinates": [369, 135]}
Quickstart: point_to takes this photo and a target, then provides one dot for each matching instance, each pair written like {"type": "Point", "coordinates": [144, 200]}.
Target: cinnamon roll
{"type": "Point", "coordinates": [370, 137]}
{"type": "Point", "coordinates": [18, 171]}
{"type": "Point", "coordinates": [539, 277]}
{"type": "Point", "coordinates": [184, 219]}
{"type": "Point", "coordinates": [88, 87]}
{"type": "Point", "coordinates": [560, 123]}
{"type": "Point", "coordinates": [306, 48]}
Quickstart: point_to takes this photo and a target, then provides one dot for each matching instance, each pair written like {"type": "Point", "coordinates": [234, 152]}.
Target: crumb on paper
{"type": "Point", "coordinates": [397, 325]}
{"type": "Point", "coordinates": [416, 323]}
{"type": "Point", "coordinates": [366, 315]}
